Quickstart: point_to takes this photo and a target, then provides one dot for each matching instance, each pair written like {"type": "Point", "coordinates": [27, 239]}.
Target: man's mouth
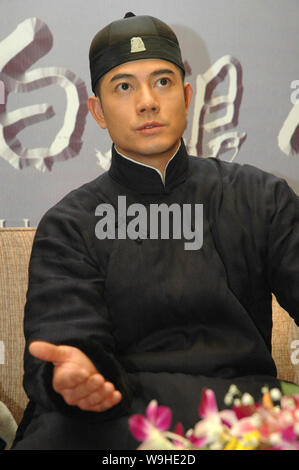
{"type": "Point", "coordinates": [151, 128]}
{"type": "Point", "coordinates": [149, 125]}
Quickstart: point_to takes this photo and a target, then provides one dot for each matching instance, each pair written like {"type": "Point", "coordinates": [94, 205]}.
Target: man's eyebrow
{"type": "Point", "coordinates": [161, 71]}
{"type": "Point", "coordinates": [120, 76]}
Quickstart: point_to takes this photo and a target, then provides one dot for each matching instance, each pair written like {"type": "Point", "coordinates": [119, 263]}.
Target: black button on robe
{"type": "Point", "coordinates": [158, 320]}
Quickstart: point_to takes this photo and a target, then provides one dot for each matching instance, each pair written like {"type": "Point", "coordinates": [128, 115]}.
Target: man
{"type": "Point", "coordinates": [113, 322]}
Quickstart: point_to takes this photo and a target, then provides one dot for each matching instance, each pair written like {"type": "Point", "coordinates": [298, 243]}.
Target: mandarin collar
{"type": "Point", "coordinates": [145, 179]}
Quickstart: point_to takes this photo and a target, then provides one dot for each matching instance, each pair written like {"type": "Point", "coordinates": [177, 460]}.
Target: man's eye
{"type": "Point", "coordinates": [123, 86]}
{"type": "Point", "coordinates": [163, 81]}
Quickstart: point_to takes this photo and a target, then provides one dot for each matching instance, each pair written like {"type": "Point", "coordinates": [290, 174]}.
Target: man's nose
{"type": "Point", "coordinates": [147, 100]}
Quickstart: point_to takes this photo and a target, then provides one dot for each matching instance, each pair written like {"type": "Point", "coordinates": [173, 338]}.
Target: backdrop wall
{"type": "Point", "coordinates": [242, 61]}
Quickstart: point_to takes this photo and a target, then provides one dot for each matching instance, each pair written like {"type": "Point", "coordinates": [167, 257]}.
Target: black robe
{"type": "Point", "coordinates": [158, 320]}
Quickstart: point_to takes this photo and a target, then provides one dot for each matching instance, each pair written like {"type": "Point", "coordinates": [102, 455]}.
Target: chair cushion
{"type": "Point", "coordinates": [15, 249]}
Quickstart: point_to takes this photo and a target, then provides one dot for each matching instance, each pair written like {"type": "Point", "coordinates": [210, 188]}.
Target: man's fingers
{"type": "Point", "coordinates": [82, 389]}
{"type": "Point", "coordinates": [49, 352]}
{"type": "Point", "coordinates": [96, 402]}
{"type": "Point", "coordinates": [91, 391]}
{"type": "Point", "coordinates": [69, 376]}
{"type": "Point", "coordinates": [111, 401]}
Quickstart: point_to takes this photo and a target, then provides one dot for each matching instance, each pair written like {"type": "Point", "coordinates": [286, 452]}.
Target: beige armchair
{"type": "Point", "coordinates": [15, 249]}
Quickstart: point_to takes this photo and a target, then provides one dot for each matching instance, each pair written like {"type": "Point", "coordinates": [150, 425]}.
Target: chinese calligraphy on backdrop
{"type": "Point", "coordinates": [211, 135]}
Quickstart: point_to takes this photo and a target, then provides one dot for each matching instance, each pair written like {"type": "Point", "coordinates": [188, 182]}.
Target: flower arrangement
{"type": "Point", "coordinates": [272, 424]}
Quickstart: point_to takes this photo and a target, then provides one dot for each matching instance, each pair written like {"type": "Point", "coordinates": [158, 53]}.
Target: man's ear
{"type": "Point", "coordinates": [188, 92]}
{"type": "Point", "coordinates": [95, 107]}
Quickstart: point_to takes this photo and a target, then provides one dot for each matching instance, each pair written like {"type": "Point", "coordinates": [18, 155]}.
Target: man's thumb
{"type": "Point", "coordinates": [49, 352]}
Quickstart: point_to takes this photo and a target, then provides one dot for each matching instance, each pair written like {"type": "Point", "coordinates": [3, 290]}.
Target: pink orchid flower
{"type": "Point", "coordinates": [197, 442]}
{"type": "Point", "coordinates": [287, 439]}
{"type": "Point", "coordinates": [214, 423]}
{"type": "Point", "coordinates": [157, 417]}
{"type": "Point", "coordinates": [274, 426]}
{"type": "Point", "coordinates": [179, 430]}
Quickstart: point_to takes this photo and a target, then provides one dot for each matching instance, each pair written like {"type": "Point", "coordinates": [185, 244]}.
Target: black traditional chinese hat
{"type": "Point", "coordinates": [132, 38]}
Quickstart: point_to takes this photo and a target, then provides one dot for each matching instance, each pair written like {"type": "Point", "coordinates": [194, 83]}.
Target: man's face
{"type": "Point", "coordinates": [147, 92]}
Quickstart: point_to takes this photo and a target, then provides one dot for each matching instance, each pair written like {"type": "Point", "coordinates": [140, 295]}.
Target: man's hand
{"type": "Point", "coordinates": [75, 377]}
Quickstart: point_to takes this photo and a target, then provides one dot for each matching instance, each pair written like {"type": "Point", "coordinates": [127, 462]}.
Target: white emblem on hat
{"type": "Point", "coordinates": [137, 45]}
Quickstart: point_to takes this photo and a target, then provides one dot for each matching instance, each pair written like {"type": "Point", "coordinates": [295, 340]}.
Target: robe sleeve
{"type": "Point", "coordinates": [283, 252]}
{"type": "Point", "coordinates": [65, 305]}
